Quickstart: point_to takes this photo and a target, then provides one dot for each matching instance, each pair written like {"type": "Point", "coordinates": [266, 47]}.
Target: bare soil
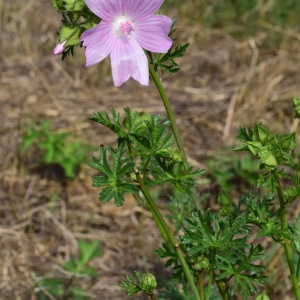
{"type": "Point", "coordinates": [223, 83]}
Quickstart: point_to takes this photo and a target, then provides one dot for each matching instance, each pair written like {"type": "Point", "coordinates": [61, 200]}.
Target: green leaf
{"type": "Point", "coordinates": [57, 4]}
{"type": "Point", "coordinates": [113, 122]}
{"type": "Point", "coordinates": [296, 102]}
{"type": "Point", "coordinates": [116, 176]}
{"type": "Point", "coordinates": [70, 33]}
{"type": "Point", "coordinates": [54, 286]}
{"type": "Point", "coordinates": [74, 5]}
{"type": "Point", "coordinates": [247, 275]}
{"type": "Point", "coordinates": [206, 231]}
{"type": "Point", "coordinates": [88, 250]}
{"type": "Point", "coordinates": [70, 265]}
{"type": "Point", "coordinates": [167, 61]}
{"type": "Point", "coordinates": [130, 286]}
{"type": "Point", "coordinates": [79, 293]}
{"type": "Point", "coordinates": [294, 234]}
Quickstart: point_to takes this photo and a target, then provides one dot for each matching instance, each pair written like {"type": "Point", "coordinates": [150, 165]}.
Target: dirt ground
{"type": "Point", "coordinates": [223, 83]}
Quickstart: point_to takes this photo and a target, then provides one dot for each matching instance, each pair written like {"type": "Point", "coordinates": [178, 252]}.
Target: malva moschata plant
{"type": "Point", "coordinates": [207, 250]}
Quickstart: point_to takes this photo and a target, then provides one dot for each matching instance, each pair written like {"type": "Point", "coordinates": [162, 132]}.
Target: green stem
{"type": "Point", "coordinates": [285, 244]}
{"type": "Point", "coordinates": [167, 236]}
{"type": "Point", "coordinates": [210, 279]}
{"type": "Point", "coordinates": [152, 296]}
{"type": "Point", "coordinates": [171, 117]}
{"type": "Point", "coordinates": [201, 286]}
{"type": "Point", "coordinates": [223, 289]}
{"type": "Point", "coordinates": [169, 113]}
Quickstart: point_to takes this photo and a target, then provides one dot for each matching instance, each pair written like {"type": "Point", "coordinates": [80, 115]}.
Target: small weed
{"type": "Point", "coordinates": [56, 288]}
{"type": "Point", "coordinates": [56, 148]}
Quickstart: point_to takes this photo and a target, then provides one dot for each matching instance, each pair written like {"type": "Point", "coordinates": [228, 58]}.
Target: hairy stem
{"type": "Point", "coordinates": [285, 242]}
{"type": "Point", "coordinates": [169, 113]}
{"type": "Point", "coordinates": [167, 236]}
{"type": "Point", "coordinates": [171, 117]}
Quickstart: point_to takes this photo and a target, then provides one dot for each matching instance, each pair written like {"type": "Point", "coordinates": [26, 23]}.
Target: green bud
{"type": "Point", "coordinates": [255, 147]}
{"type": "Point", "coordinates": [261, 134]}
{"type": "Point", "coordinates": [269, 160]}
{"type": "Point", "coordinates": [290, 194]}
{"type": "Point", "coordinates": [132, 177]}
{"type": "Point", "coordinates": [201, 264]}
{"type": "Point", "coordinates": [176, 156]}
{"type": "Point", "coordinates": [288, 141]}
{"type": "Point", "coordinates": [148, 283]}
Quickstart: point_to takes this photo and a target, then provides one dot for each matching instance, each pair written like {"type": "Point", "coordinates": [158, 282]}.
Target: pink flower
{"type": "Point", "coordinates": [127, 26]}
{"type": "Point", "coordinates": [59, 48]}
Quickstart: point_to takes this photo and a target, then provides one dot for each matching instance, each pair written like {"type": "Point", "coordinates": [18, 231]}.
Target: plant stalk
{"type": "Point", "coordinates": [201, 286]}
{"type": "Point", "coordinates": [171, 117]}
{"type": "Point", "coordinates": [170, 114]}
{"type": "Point", "coordinates": [285, 244]}
{"type": "Point", "coordinates": [167, 236]}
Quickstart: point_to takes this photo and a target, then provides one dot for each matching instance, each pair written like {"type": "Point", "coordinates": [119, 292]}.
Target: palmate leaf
{"type": "Point", "coordinates": [113, 122]}
{"type": "Point", "coordinates": [206, 232]}
{"type": "Point", "coordinates": [154, 139]}
{"type": "Point", "coordinates": [114, 177]}
{"type": "Point", "coordinates": [246, 274]}
{"type": "Point", "coordinates": [163, 171]}
{"type": "Point", "coordinates": [167, 61]}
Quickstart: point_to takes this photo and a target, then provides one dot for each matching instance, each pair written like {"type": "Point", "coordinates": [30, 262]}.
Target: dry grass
{"type": "Point", "coordinates": [223, 83]}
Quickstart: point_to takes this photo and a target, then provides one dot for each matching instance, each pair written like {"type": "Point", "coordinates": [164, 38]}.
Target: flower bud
{"type": "Point", "coordinates": [148, 283]}
{"type": "Point", "coordinates": [261, 134]}
{"type": "Point", "coordinates": [201, 264]}
{"type": "Point", "coordinates": [59, 48]}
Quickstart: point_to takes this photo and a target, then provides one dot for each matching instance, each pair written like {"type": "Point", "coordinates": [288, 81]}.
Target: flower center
{"type": "Point", "coordinates": [123, 26]}
{"type": "Point", "coordinates": [126, 27]}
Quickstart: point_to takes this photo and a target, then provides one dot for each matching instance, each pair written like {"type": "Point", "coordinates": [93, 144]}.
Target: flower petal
{"type": "Point", "coordinates": [99, 42]}
{"type": "Point", "coordinates": [129, 60]}
{"type": "Point", "coordinates": [140, 8]}
{"type": "Point", "coordinates": [105, 9]}
{"type": "Point", "coordinates": [59, 48]}
{"type": "Point", "coordinates": [152, 33]}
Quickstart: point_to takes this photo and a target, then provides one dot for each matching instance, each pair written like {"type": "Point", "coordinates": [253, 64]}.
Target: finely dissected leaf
{"type": "Point", "coordinates": [130, 286]}
{"type": "Point", "coordinates": [224, 241]}
{"type": "Point", "coordinates": [271, 150]}
{"type": "Point", "coordinates": [294, 234]}
{"type": "Point", "coordinates": [115, 176]}
{"type": "Point", "coordinates": [206, 231]}
{"type": "Point", "coordinates": [261, 212]}
{"type": "Point", "coordinates": [113, 122]}
{"type": "Point", "coordinates": [154, 140]}
{"type": "Point", "coordinates": [246, 274]}
{"type": "Point", "coordinates": [167, 61]}
{"type": "Point", "coordinates": [163, 171]}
